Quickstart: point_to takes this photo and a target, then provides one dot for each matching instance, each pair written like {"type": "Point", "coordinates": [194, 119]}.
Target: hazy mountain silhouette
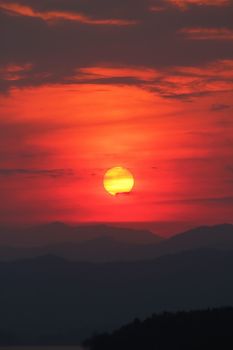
{"type": "Point", "coordinates": [106, 244]}
{"type": "Point", "coordinates": [96, 243]}
{"type": "Point", "coordinates": [49, 295]}
{"type": "Point", "coordinates": [57, 232]}
{"type": "Point", "coordinates": [218, 236]}
{"type": "Point", "coordinates": [101, 249]}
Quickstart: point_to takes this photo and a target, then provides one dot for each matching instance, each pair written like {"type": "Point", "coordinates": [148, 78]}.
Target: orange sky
{"type": "Point", "coordinates": [170, 124]}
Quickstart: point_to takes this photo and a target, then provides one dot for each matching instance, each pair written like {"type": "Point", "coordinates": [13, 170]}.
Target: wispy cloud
{"type": "Point", "coordinates": [53, 173]}
{"type": "Point", "coordinates": [55, 15]}
{"type": "Point", "coordinates": [181, 82]}
{"type": "Point", "coordinates": [140, 73]}
{"type": "Point", "coordinates": [230, 168]}
{"type": "Point", "coordinates": [218, 107]}
{"type": "Point", "coordinates": [184, 4]}
{"type": "Point", "coordinates": [13, 72]}
{"type": "Point", "coordinates": [191, 201]}
{"type": "Point", "coordinates": [173, 82]}
{"type": "Point", "coordinates": [207, 33]}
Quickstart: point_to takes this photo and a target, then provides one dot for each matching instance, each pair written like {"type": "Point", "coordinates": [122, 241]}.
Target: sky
{"type": "Point", "coordinates": [87, 85]}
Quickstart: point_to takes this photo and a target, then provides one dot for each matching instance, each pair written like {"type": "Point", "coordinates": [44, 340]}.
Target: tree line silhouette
{"type": "Point", "coordinates": [182, 330]}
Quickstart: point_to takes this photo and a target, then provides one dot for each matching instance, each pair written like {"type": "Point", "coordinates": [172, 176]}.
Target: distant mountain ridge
{"type": "Point", "coordinates": [58, 232]}
{"type": "Point", "coordinates": [217, 236]}
{"type": "Point", "coordinates": [108, 244]}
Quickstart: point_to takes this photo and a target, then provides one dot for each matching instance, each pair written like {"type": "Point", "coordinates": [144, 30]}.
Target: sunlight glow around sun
{"type": "Point", "coordinates": [118, 180]}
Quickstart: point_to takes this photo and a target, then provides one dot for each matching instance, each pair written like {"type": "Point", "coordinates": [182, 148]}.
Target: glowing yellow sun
{"type": "Point", "coordinates": [118, 180]}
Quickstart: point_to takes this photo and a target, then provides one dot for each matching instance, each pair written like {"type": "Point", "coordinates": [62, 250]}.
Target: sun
{"type": "Point", "coordinates": [118, 180]}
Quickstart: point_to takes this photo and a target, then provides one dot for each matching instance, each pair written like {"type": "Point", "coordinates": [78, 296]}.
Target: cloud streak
{"type": "Point", "coordinates": [184, 4]}
{"type": "Point", "coordinates": [208, 33]}
{"type": "Point", "coordinates": [181, 82]}
{"type": "Point", "coordinates": [218, 107]}
{"type": "Point", "coordinates": [204, 201]}
{"type": "Point", "coordinates": [16, 9]}
{"type": "Point", "coordinates": [173, 82]}
{"type": "Point", "coordinates": [52, 173]}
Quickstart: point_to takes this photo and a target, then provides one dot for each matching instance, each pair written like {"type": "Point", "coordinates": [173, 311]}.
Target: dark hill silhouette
{"type": "Point", "coordinates": [101, 249]}
{"type": "Point", "coordinates": [186, 330]}
{"type": "Point", "coordinates": [48, 295]}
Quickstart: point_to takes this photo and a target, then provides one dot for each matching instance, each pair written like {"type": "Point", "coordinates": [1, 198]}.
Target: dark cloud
{"type": "Point", "coordinates": [24, 155]}
{"type": "Point", "coordinates": [204, 201]}
{"type": "Point", "coordinates": [230, 168]}
{"type": "Point", "coordinates": [122, 194]}
{"type": "Point", "coordinates": [52, 173]}
{"type": "Point", "coordinates": [101, 9]}
{"type": "Point", "coordinates": [217, 107]}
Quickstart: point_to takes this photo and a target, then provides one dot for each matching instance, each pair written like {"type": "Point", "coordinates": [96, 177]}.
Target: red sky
{"type": "Point", "coordinates": [85, 88]}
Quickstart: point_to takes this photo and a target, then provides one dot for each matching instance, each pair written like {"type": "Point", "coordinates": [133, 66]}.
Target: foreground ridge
{"type": "Point", "coordinates": [161, 331]}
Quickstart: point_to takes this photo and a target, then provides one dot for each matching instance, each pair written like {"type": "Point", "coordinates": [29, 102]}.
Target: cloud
{"type": "Point", "coordinates": [230, 168]}
{"type": "Point", "coordinates": [120, 194]}
{"type": "Point", "coordinates": [48, 16]}
{"type": "Point", "coordinates": [21, 154]}
{"type": "Point", "coordinates": [218, 107]}
{"type": "Point", "coordinates": [158, 8]}
{"type": "Point", "coordinates": [117, 54]}
{"type": "Point", "coordinates": [15, 72]}
{"type": "Point", "coordinates": [103, 9]}
{"type": "Point", "coordinates": [193, 82]}
{"type": "Point", "coordinates": [175, 82]}
{"type": "Point", "coordinates": [189, 82]}
{"type": "Point", "coordinates": [208, 33]}
{"type": "Point", "coordinates": [204, 201]}
{"type": "Point", "coordinates": [184, 4]}
{"type": "Point", "coordinates": [52, 173]}
{"type": "Point", "coordinates": [187, 5]}
{"type": "Point", "coordinates": [140, 73]}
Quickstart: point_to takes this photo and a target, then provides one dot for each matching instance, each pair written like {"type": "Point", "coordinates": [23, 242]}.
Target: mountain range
{"type": "Point", "coordinates": [101, 243]}
{"type": "Point", "coordinates": [48, 298]}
